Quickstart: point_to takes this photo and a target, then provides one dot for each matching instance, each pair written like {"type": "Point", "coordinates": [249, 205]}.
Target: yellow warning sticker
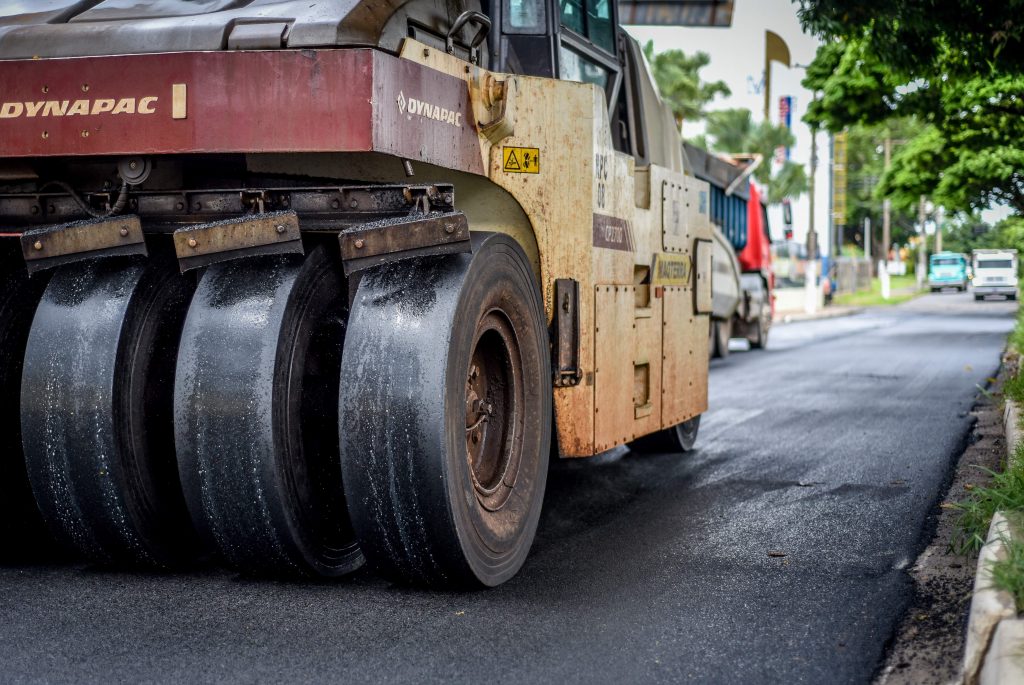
{"type": "Point", "coordinates": [520, 160]}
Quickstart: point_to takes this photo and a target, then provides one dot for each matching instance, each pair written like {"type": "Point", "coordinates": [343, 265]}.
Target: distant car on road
{"type": "Point", "coordinates": [995, 273]}
{"type": "Point", "coordinates": [947, 270]}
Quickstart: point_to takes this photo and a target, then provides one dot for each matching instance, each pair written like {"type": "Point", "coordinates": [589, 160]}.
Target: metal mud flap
{"type": "Point", "coordinates": [395, 239]}
{"type": "Point", "coordinates": [220, 241]}
{"type": "Point", "coordinates": [47, 247]}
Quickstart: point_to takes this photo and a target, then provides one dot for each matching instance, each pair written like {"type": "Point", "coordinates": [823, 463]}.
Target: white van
{"type": "Point", "coordinates": [995, 273]}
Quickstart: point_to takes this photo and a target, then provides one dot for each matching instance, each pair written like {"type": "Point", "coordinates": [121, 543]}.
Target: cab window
{"type": "Point", "coordinates": [524, 16]}
{"type": "Point", "coordinates": [576, 67]}
{"type": "Point", "coordinates": [592, 19]}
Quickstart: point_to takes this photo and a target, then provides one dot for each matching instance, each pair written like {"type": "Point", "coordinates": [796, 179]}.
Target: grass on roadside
{"type": "Point", "coordinates": [1008, 573]}
{"type": "Point", "coordinates": [1016, 341]}
{"type": "Point", "coordinates": [1014, 388]}
{"type": "Point", "coordinates": [1006, 494]}
{"type": "Point", "coordinates": [901, 289]}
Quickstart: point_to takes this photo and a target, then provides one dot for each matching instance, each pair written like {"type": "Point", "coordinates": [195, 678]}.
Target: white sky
{"type": "Point", "coordinates": [737, 57]}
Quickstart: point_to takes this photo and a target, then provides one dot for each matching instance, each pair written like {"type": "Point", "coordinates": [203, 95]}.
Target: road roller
{"type": "Point", "coordinates": [300, 286]}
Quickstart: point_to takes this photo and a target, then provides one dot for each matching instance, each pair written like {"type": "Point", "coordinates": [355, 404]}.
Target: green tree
{"type": "Point", "coordinates": [926, 37]}
{"type": "Point", "coordinates": [916, 169]}
{"type": "Point", "coordinates": [955, 67]}
{"type": "Point", "coordinates": [678, 77]}
{"type": "Point", "coordinates": [865, 167]}
{"type": "Point", "coordinates": [733, 131]}
{"type": "Point", "coordinates": [965, 232]}
{"type": "Point", "coordinates": [729, 130]}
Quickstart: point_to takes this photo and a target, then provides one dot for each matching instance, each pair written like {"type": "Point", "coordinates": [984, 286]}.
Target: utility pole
{"type": "Point", "coordinates": [922, 248]}
{"type": "Point", "coordinates": [867, 238]}
{"type": "Point", "coordinates": [886, 207]}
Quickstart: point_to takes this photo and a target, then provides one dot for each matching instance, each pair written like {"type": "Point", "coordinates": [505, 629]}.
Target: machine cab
{"type": "Point", "coordinates": [581, 40]}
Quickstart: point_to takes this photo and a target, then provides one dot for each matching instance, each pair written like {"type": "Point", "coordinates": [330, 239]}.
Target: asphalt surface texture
{"type": "Point", "coordinates": [777, 551]}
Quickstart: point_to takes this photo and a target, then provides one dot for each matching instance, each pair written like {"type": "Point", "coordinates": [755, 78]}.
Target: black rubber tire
{"type": "Point", "coordinates": [1011, 297]}
{"type": "Point", "coordinates": [722, 332]}
{"type": "Point", "coordinates": [96, 411]}
{"type": "Point", "coordinates": [21, 527]}
{"type": "Point", "coordinates": [759, 340]}
{"type": "Point", "coordinates": [979, 298]}
{"type": "Point", "coordinates": [422, 512]}
{"type": "Point", "coordinates": [678, 438]}
{"type": "Point", "coordinates": [255, 415]}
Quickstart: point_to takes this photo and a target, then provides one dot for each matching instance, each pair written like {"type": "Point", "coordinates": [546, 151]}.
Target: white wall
{"type": "Point", "coordinates": [737, 57]}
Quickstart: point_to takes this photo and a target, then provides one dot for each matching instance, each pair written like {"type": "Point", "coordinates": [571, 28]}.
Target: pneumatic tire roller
{"type": "Point", "coordinates": [304, 287]}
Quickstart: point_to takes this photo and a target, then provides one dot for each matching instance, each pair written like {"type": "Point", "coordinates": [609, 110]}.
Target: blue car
{"type": "Point", "coordinates": [947, 270]}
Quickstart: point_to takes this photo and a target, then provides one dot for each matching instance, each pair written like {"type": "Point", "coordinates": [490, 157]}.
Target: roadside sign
{"type": "Point", "coordinates": [839, 178]}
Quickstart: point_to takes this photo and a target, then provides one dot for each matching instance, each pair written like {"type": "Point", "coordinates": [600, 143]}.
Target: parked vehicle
{"type": "Point", "coordinates": [995, 273]}
{"type": "Point", "coordinates": [947, 270]}
{"type": "Point", "coordinates": [743, 280]}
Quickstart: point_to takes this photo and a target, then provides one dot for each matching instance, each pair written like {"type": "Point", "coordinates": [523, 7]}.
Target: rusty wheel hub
{"type": "Point", "coordinates": [493, 400]}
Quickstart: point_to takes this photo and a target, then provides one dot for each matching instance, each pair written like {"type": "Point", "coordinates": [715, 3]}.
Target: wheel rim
{"type": "Point", "coordinates": [686, 433]}
{"type": "Point", "coordinates": [420, 509]}
{"type": "Point", "coordinates": [494, 399]}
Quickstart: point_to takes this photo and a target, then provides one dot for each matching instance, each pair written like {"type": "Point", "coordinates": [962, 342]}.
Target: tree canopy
{"type": "Point", "coordinates": [954, 67]}
{"type": "Point", "coordinates": [678, 78]}
{"type": "Point", "coordinates": [923, 37]}
{"type": "Point", "coordinates": [865, 167]}
{"type": "Point", "coordinates": [730, 130]}
{"type": "Point", "coordinates": [734, 131]}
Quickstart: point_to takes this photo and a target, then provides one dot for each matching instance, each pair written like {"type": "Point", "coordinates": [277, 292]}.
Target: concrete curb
{"type": "Point", "coordinates": [1005, 661]}
{"type": "Point", "coordinates": [988, 606]}
{"type": "Point", "coordinates": [826, 313]}
{"type": "Point", "coordinates": [994, 650]}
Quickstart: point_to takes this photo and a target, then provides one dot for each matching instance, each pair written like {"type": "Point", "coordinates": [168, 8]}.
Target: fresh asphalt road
{"type": "Point", "coordinates": [832, 447]}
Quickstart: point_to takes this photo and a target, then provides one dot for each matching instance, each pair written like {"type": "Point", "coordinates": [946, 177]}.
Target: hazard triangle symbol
{"type": "Point", "coordinates": [512, 164]}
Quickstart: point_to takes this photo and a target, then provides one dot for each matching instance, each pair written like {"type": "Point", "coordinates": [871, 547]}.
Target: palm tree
{"type": "Point", "coordinates": [733, 131]}
{"type": "Point", "coordinates": [678, 77]}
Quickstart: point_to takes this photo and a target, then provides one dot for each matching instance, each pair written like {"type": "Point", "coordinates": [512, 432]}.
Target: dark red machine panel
{"type": "Point", "coordinates": [266, 101]}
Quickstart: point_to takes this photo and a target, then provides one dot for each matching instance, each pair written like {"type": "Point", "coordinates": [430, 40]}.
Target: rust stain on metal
{"type": "Point", "coordinates": [364, 245]}
{"type": "Point", "coordinates": [80, 237]}
{"type": "Point", "coordinates": [272, 233]}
